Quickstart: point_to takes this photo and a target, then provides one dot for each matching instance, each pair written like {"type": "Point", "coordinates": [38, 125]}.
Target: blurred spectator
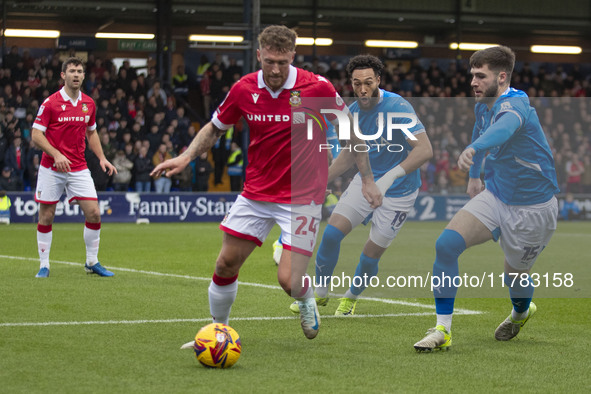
{"type": "Point", "coordinates": [16, 158]}
{"type": "Point", "coordinates": [442, 183]}
{"type": "Point", "coordinates": [33, 163]}
{"type": "Point", "coordinates": [201, 69]}
{"type": "Point", "coordinates": [570, 209]}
{"type": "Point", "coordinates": [5, 204]}
{"type": "Point", "coordinates": [151, 78]}
{"type": "Point", "coordinates": [205, 87]}
{"type": "Point", "coordinates": [219, 87]}
{"type": "Point", "coordinates": [123, 176]}
{"type": "Point", "coordinates": [442, 162]}
{"type": "Point", "coordinates": [183, 121]}
{"type": "Point", "coordinates": [107, 145]}
{"type": "Point", "coordinates": [203, 170]}
{"type": "Point", "coordinates": [180, 82]}
{"type": "Point", "coordinates": [162, 184]}
{"type": "Point", "coordinates": [586, 176]}
{"type": "Point", "coordinates": [3, 146]}
{"type": "Point", "coordinates": [220, 154]}
{"type": "Point", "coordinates": [183, 180]}
{"type": "Point", "coordinates": [231, 71]}
{"type": "Point", "coordinates": [142, 168]}
{"type": "Point", "coordinates": [574, 170]}
{"type": "Point", "coordinates": [9, 181]}
{"type": "Point", "coordinates": [458, 179]}
{"type": "Point", "coordinates": [235, 163]}
{"type": "Point", "coordinates": [12, 58]}
{"type": "Point", "coordinates": [131, 72]}
{"type": "Point", "coordinates": [159, 93]}
{"type": "Point", "coordinates": [154, 138]}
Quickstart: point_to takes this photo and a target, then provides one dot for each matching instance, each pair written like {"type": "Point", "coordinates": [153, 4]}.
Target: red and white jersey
{"type": "Point", "coordinates": [282, 167]}
{"type": "Point", "coordinates": [65, 122]}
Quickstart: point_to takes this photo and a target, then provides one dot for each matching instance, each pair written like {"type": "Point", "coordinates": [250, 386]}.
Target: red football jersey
{"type": "Point", "coordinates": [65, 122]}
{"type": "Point", "coordinates": [282, 167]}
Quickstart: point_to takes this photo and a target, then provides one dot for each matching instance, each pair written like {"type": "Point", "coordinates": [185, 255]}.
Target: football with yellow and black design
{"type": "Point", "coordinates": [217, 346]}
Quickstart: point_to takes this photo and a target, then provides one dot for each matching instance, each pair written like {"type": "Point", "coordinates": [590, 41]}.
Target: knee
{"type": "Point", "coordinates": [46, 217]}
{"type": "Point", "coordinates": [294, 285]}
{"type": "Point", "coordinates": [93, 215]}
{"type": "Point", "coordinates": [332, 235]}
{"type": "Point", "coordinates": [225, 267]}
{"type": "Point", "coordinates": [450, 244]}
{"type": "Point", "coordinates": [285, 283]}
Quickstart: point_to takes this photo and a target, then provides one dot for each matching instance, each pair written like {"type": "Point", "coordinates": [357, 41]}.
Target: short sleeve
{"type": "Point", "coordinates": [228, 112]}
{"type": "Point", "coordinates": [512, 105]}
{"type": "Point", "coordinates": [92, 120]}
{"type": "Point", "coordinates": [43, 116]}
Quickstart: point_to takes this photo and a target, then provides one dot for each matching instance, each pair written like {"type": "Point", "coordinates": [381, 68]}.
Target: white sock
{"type": "Point", "coordinates": [445, 321]}
{"type": "Point", "coordinates": [221, 299]}
{"type": "Point", "coordinates": [519, 316]}
{"type": "Point", "coordinates": [92, 239]}
{"type": "Point", "coordinates": [321, 291]}
{"type": "Point", "coordinates": [309, 293]}
{"type": "Point", "coordinates": [348, 294]}
{"type": "Point", "coordinates": [44, 246]}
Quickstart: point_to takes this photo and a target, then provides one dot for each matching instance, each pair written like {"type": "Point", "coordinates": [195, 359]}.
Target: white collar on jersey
{"type": "Point", "coordinates": [68, 98]}
{"type": "Point", "coordinates": [289, 82]}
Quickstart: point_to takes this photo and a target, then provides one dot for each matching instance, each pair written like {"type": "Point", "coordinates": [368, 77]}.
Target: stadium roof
{"type": "Point", "coordinates": [565, 18]}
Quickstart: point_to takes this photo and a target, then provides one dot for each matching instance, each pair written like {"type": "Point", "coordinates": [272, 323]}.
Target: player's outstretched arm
{"type": "Point", "coordinates": [420, 153]}
{"type": "Point", "coordinates": [94, 143]}
{"type": "Point", "coordinates": [465, 159]}
{"type": "Point", "coordinates": [203, 141]}
{"type": "Point", "coordinates": [60, 162]}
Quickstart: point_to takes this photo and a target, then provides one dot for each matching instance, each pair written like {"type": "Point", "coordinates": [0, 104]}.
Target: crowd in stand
{"type": "Point", "coordinates": [142, 121]}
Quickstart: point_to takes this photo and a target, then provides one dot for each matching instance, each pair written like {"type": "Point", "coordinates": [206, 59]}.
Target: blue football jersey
{"type": "Point", "coordinates": [332, 139]}
{"type": "Point", "coordinates": [384, 153]}
{"type": "Point", "coordinates": [519, 168]}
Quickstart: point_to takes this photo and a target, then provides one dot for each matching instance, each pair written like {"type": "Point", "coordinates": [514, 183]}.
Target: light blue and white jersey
{"type": "Point", "coordinates": [332, 139]}
{"type": "Point", "coordinates": [519, 169]}
{"type": "Point", "coordinates": [380, 157]}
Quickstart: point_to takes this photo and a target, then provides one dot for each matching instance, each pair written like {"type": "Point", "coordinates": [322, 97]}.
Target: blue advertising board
{"type": "Point", "coordinates": [210, 207]}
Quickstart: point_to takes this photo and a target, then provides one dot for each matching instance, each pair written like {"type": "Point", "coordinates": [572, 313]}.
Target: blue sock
{"type": "Point", "coordinates": [520, 293]}
{"type": "Point", "coordinates": [448, 248]}
{"type": "Point", "coordinates": [328, 253]}
{"type": "Point", "coordinates": [367, 266]}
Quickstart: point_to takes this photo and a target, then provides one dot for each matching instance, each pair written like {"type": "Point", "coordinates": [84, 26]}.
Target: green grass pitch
{"type": "Point", "coordinates": [75, 333]}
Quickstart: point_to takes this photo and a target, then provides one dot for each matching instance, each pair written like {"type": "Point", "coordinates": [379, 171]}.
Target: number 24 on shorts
{"type": "Point", "coordinates": [313, 227]}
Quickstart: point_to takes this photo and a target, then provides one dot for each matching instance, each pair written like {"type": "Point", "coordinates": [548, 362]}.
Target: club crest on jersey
{"type": "Point", "coordinates": [505, 106]}
{"type": "Point", "coordinates": [63, 107]}
{"type": "Point", "coordinates": [84, 108]}
{"type": "Point", "coordinates": [295, 100]}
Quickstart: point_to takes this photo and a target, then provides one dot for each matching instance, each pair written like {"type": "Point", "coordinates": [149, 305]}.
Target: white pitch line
{"type": "Point", "coordinates": [273, 287]}
{"type": "Point", "coordinates": [208, 319]}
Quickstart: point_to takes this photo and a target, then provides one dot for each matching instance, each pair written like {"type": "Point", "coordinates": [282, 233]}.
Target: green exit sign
{"type": "Point", "coordinates": [141, 45]}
